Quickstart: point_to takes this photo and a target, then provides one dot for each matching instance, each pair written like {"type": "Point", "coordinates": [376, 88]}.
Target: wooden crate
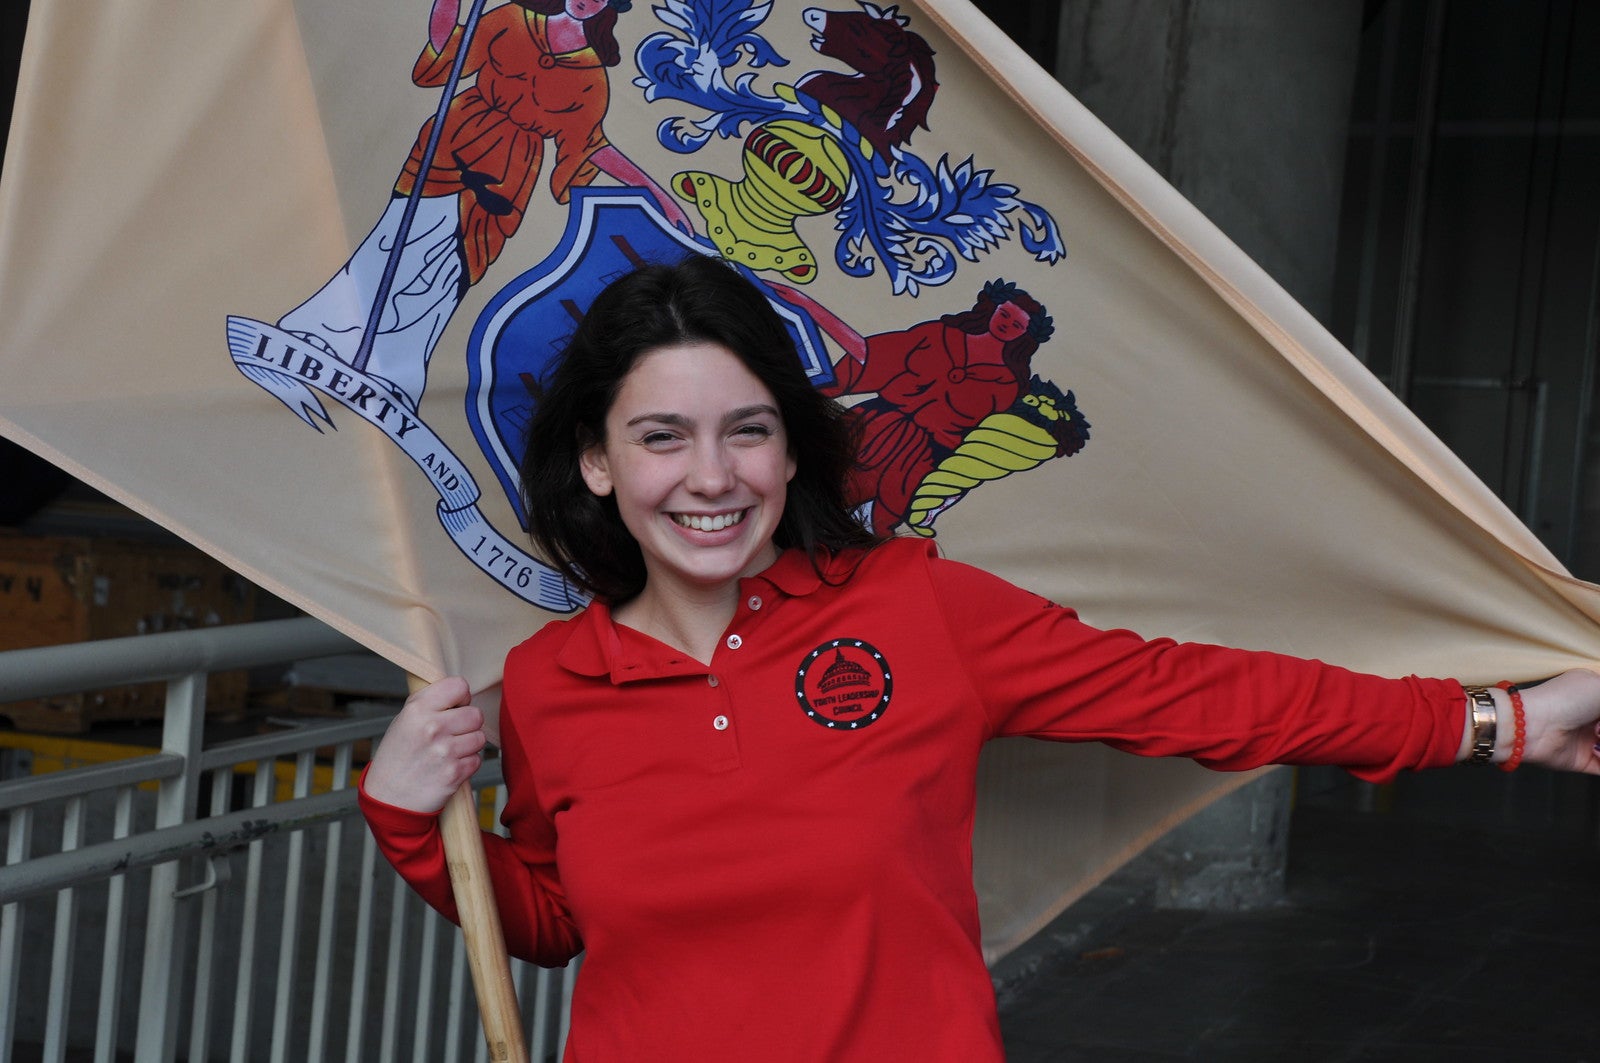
{"type": "Point", "coordinates": [56, 590]}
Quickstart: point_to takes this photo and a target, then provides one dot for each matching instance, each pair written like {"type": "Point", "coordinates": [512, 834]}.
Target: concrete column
{"type": "Point", "coordinates": [1243, 105]}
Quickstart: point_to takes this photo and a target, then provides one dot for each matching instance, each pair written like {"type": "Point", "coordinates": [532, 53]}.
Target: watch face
{"type": "Point", "coordinates": [1485, 721]}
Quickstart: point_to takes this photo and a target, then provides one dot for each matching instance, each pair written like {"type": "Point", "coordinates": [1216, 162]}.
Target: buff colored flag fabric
{"type": "Point", "coordinates": [284, 276]}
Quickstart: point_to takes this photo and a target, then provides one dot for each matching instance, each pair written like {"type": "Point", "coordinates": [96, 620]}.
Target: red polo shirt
{"type": "Point", "coordinates": [770, 857]}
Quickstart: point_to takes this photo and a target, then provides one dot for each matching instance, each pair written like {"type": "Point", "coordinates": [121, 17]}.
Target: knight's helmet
{"type": "Point", "coordinates": [791, 170]}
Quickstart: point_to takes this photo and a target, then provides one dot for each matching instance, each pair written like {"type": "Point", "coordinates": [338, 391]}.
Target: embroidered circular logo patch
{"type": "Point", "coordinates": [844, 684]}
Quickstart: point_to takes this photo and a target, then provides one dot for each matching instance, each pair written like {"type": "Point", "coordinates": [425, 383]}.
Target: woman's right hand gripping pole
{"type": "Point", "coordinates": [433, 745]}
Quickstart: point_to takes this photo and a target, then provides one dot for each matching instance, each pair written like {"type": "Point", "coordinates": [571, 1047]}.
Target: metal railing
{"type": "Point", "coordinates": [223, 902]}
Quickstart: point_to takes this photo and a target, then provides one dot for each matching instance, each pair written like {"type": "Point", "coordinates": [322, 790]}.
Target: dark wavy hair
{"type": "Point", "coordinates": [698, 300]}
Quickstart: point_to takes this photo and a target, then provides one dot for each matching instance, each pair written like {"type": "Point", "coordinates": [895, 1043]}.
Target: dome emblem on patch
{"type": "Point", "coordinates": [844, 684]}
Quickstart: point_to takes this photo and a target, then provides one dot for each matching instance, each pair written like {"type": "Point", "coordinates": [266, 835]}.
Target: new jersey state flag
{"type": "Point", "coordinates": [286, 276]}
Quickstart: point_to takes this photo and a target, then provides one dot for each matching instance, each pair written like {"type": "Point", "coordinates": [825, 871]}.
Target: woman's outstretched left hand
{"type": "Point", "coordinates": [1563, 723]}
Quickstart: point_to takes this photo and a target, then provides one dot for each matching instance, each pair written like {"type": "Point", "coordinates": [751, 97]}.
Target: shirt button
{"type": "Point", "coordinates": [754, 603]}
{"type": "Point", "coordinates": [720, 723]}
{"type": "Point", "coordinates": [734, 642]}
{"type": "Point", "coordinates": [713, 680]}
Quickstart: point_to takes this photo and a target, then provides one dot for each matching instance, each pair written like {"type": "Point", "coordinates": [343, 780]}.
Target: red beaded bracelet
{"type": "Point", "coordinates": [1520, 741]}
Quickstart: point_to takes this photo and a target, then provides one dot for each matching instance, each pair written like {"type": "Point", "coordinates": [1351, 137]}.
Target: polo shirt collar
{"type": "Point", "coordinates": [792, 573]}
{"type": "Point", "coordinates": [598, 646]}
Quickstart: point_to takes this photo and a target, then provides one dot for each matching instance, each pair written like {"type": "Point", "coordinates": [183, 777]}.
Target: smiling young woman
{"type": "Point", "coordinates": [742, 781]}
{"type": "Point", "coordinates": [697, 460]}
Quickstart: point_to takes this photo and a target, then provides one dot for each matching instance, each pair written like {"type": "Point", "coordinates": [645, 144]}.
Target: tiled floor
{"type": "Point", "coordinates": [1463, 924]}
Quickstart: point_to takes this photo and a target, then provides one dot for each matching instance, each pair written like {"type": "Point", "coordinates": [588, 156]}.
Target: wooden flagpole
{"type": "Point", "coordinates": [458, 820]}
{"type": "Point", "coordinates": [480, 924]}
